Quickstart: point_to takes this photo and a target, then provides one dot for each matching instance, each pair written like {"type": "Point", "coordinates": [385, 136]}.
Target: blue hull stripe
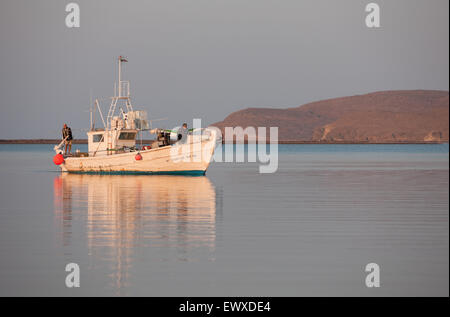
{"type": "Point", "coordinates": [190, 173]}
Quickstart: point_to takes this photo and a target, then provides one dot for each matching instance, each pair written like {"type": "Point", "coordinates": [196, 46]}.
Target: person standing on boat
{"type": "Point", "coordinates": [67, 135]}
{"type": "Point", "coordinates": [182, 133]}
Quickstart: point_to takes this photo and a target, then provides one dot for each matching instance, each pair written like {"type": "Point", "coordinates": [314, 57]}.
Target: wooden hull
{"type": "Point", "coordinates": [192, 158]}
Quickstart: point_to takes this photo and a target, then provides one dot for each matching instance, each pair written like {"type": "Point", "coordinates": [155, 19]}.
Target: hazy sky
{"type": "Point", "coordinates": [207, 58]}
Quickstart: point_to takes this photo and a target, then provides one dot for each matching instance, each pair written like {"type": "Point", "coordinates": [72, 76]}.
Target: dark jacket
{"type": "Point", "coordinates": [67, 132]}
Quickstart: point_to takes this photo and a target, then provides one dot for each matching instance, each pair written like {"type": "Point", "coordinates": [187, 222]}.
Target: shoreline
{"type": "Point", "coordinates": [84, 141]}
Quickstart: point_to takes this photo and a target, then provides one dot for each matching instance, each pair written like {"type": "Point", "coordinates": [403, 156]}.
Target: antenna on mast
{"type": "Point", "coordinates": [121, 59]}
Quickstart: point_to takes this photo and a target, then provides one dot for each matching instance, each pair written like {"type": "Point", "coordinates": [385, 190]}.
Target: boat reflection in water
{"type": "Point", "coordinates": [162, 217]}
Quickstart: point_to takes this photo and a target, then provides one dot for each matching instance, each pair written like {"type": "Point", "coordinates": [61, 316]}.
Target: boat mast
{"type": "Point", "coordinates": [120, 75]}
{"type": "Point", "coordinates": [123, 92]}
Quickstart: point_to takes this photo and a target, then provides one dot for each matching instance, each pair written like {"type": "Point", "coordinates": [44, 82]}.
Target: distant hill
{"type": "Point", "coordinates": [386, 116]}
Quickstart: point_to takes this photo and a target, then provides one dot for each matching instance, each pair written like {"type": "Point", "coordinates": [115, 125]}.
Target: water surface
{"type": "Point", "coordinates": [308, 229]}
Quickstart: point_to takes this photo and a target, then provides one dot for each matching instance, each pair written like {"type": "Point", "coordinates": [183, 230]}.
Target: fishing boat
{"type": "Point", "coordinates": [115, 148]}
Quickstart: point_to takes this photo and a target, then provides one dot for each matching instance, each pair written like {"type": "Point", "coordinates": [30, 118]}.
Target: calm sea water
{"type": "Point", "coordinates": [308, 229]}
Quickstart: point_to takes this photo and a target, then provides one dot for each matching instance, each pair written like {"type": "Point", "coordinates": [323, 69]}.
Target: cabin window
{"type": "Point", "coordinates": [97, 138]}
{"type": "Point", "coordinates": [127, 136]}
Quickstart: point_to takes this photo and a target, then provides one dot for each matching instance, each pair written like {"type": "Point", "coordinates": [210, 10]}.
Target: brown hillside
{"type": "Point", "coordinates": [387, 116]}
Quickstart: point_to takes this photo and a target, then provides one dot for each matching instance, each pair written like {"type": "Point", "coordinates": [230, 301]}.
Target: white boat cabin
{"type": "Point", "coordinates": [101, 142]}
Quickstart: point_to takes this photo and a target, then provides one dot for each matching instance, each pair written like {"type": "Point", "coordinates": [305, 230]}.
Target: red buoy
{"type": "Point", "coordinates": [58, 159]}
{"type": "Point", "coordinates": [138, 157]}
